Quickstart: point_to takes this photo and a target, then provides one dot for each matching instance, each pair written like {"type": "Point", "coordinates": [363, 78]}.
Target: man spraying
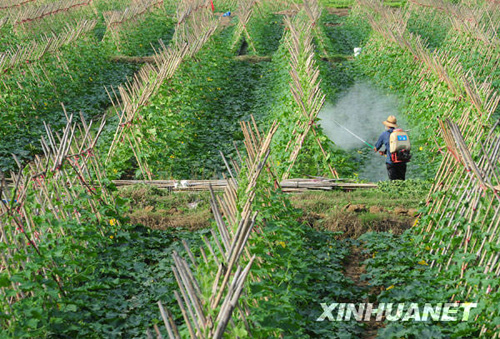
{"type": "Point", "coordinates": [397, 148]}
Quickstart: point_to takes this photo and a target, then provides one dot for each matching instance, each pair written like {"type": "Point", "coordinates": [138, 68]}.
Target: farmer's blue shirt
{"type": "Point", "coordinates": [384, 139]}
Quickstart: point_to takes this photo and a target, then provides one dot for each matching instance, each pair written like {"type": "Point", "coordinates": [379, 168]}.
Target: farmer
{"type": "Point", "coordinates": [396, 171]}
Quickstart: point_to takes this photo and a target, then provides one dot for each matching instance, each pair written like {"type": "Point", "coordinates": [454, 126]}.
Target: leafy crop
{"type": "Point", "coordinates": [75, 77]}
{"type": "Point", "coordinates": [403, 275]}
{"type": "Point", "coordinates": [104, 276]}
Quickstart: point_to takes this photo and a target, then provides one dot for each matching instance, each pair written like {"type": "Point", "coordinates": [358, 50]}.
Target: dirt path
{"type": "Point", "coordinates": [353, 269]}
{"type": "Point", "coordinates": [338, 11]}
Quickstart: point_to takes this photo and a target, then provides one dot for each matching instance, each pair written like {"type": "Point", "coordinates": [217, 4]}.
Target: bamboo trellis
{"type": "Point", "coordinates": [116, 18]}
{"type": "Point", "coordinates": [470, 209]}
{"type": "Point", "coordinates": [194, 20]}
{"type": "Point", "coordinates": [35, 51]}
{"type": "Point", "coordinates": [9, 4]}
{"type": "Point", "coordinates": [482, 22]}
{"type": "Point", "coordinates": [194, 30]}
{"type": "Point", "coordinates": [245, 11]}
{"type": "Point", "coordinates": [305, 88]}
{"type": "Point", "coordinates": [3, 21]}
{"type": "Point", "coordinates": [227, 249]}
{"type": "Point", "coordinates": [474, 31]}
{"type": "Point", "coordinates": [48, 184]}
{"type": "Point", "coordinates": [187, 8]}
{"type": "Point", "coordinates": [392, 25]}
{"type": "Point", "coordinates": [313, 11]}
{"type": "Point", "coordinates": [34, 13]}
{"type": "Point", "coordinates": [480, 98]}
{"type": "Point", "coordinates": [465, 213]}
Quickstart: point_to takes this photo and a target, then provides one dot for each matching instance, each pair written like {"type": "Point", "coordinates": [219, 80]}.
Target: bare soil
{"type": "Point", "coordinates": [162, 220]}
{"type": "Point", "coordinates": [353, 269]}
{"type": "Point", "coordinates": [160, 209]}
{"type": "Point", "coordinates": [353, 224]}
{"type": "Point", "coordinates": [338, 11]}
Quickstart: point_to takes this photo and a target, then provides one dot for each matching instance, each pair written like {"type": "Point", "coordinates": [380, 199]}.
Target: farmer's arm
{"type": "Point", "coordinates": [380, 142]}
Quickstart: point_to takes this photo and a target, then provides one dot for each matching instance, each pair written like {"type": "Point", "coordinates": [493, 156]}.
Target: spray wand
{"type": "Point", "coordinates": [359, 138]}
{"type": "Point", "coordinates": [354, 135]}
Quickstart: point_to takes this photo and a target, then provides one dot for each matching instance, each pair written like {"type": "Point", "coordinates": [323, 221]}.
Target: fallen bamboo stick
{"type": "Point", "coordinates": [218, 185]}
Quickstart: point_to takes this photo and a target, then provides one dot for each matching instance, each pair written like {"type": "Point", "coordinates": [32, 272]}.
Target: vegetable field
{"type": "Point", "coordinates": [165, 173]}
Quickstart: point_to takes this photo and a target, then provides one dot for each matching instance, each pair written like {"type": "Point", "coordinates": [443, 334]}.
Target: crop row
{"type": "Point", "coordinates": [58, 72]}
{"type": "Point", "coordinates": [457, 233]}
{"type": "Point", "coordinates": [139, 122]}
{"type": "Point", "coordinates": [60, 216]}
{"type": "Point", "coordinates": [35, 51]}
{"type": "Point", "coordinates": [66, 238]}
{"type": "Point", "coordinates": [195, 115]}
{"type": "Point", "coordinates": [279, 245]}
{"type": "Point", "coordinates": [14, 3]}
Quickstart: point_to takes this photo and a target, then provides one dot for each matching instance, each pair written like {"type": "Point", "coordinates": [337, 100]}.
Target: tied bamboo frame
{"type": "Point", "coordinates": [29, 14]}
{"type": "Point", "coordinates": [245, 11]}
{"type": "Point", "coordinates": [11, 4]}
{"type": "Point", "coordinates": [305, 88]}
{"type": "Point", "coordinates": [35, 51]}
{"type": "Point", "coordinates": [116, 19]}
{"type": "Point", "coordinates": [195, 27]}
{"type": "Point", "coordinates": [228, 247]}
{"type": "Point", "coordinates": [470, 182]}
{"type": "Point", "coordinates": [465, 216]}
{"type": "Point", "coordinates": [482, 23]}
{"type": "Point", "coordinates": [68, 167]}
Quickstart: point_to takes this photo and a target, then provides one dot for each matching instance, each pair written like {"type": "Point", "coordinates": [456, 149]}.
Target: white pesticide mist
{"type": "Point", "coordinates": [361, 109]}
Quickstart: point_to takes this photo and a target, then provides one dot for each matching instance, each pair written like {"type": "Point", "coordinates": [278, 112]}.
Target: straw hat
{"type": "Point", "coordinates": [391, 121]}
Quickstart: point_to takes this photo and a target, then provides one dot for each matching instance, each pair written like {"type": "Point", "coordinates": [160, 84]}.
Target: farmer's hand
{"type": "Point", "coordinates": [381, 153]}
{"type": "Point", "coordinates": [375, 149]}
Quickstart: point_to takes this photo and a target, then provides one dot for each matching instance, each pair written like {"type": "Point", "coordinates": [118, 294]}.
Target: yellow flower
{"type": "Point", "coordinates": [115, 170]}
{"type": "Point", "coordinates": [111, 237]}
{"type": "Point", "coordinates": [416, 222]}
{"type": "Point", "coordinates": [422, 262]}
{"type": "Point", "coordinates": [390, 287]}
{"type": "Point", "coordinates": [45, 103]}
{"type": "Point", "coordinates": [421, 148]}
{"type": "Point", "coordinates": [427, 248]}
{"type": "Point", "coordinates": [112, 222]}
{"type": "Point", "coordinates": [140, 45]}
{"type": "Point", "coordinates": [90, 78]}
{"type": "Point", "coordinates": [172, 156]}
{"type": "Point", "coordinates": [209, 79]}
{"type": "Point", "coordinates": [282, 243]}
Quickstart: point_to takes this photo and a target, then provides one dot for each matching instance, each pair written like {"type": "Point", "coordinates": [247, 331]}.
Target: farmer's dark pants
{"type": "Point", "coordinates": [396, 171]}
